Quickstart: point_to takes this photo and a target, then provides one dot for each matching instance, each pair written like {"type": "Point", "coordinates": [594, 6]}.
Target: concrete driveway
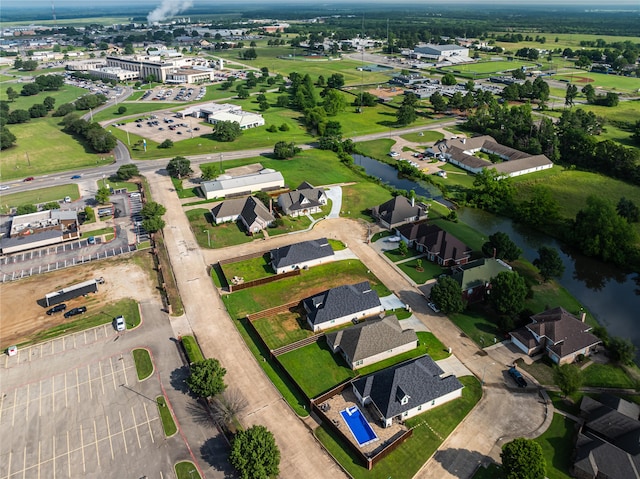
{"type": "Point", "coordinates": [334, 193]}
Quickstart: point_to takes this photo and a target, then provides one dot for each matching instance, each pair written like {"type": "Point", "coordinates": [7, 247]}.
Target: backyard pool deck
{"type": "Point", "coordinates": [347, 398]}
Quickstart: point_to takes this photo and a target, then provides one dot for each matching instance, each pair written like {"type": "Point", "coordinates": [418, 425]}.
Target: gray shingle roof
{"type": "Point", "coordinates": [419, 379]}
{"type": "Point", "coordinates": [340, 301]}
{"type": "Point", "coordinates": [371, 337]}
{"type": "Point", "coordinates": [436, 241]}
{"type": "Point", "coordinates": [300, 253]}
{"type": "Point", "coordinates": [398, 210]}
{"type": "Point", "coordinates": [248, 208]}
{"type": "Point", "coordinates": [301, 199]}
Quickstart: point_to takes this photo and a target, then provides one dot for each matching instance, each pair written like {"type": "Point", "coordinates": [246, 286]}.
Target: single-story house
{"type": "Point", "coordinates": [441, 247]}
{"type": "Point", "coordinates": [558, 333]}
{"type": "Point", "coordinates": [301, 255]}
{"type": "Point", "coordinates": [461, 152]}
{"type": "Point", "coordinates": [226, 185]}
{"type": "Point", "coordinates": [475, 277]}
{"type": "Point", "coordinates": [608, 443]}
{"type": "Point", "coordinates": [43, 228]}
{"type": "Point", "coordinates": [250, 211]}
{"type": "Point", "coordinates": [372, 341]}
{"type": "Point", "coordinates": [340, 305]}
{"type": "Point", "coordinates": [306, 199]}
{"type": "Point", "coordinates": [398, 211]}
{"type": "Point", "coordinates": [406, 389]}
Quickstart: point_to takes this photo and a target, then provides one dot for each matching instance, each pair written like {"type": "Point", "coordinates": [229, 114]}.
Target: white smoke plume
{"type": "Point", "coordinates": [168, 8]}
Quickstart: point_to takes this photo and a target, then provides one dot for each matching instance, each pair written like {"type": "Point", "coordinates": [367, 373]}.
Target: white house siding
{"type": "Point", "coordinates": [226, 219]}
{"type": "Point", "coordinates": [384, 355]}
{"type": "Point", "coordinates": [465, 167]}
{"type": "Point", "coordinates": [530, 170]}
{"type": "Point", "coordinates": [519, 345]}
{"type": "Point", "coordinates": [426, 406]}
{"type": "Point", "coordinates": [345, 319]}
{"type": "Point", "coordinates": [309, 264]}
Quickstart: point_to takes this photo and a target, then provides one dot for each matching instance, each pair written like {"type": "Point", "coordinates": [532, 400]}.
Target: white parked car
{"type": "Point", "coordinates": [120, 324]}
{"type": "Point", "coordinates": [393, 154]}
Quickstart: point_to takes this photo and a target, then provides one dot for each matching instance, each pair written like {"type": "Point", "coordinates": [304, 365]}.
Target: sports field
{"type": "Point", "coordinates": [490, 67]}
{"type": "Point", "coordinates": [565, 40]}
{"type": "Point", "coordinates": [617, 83]}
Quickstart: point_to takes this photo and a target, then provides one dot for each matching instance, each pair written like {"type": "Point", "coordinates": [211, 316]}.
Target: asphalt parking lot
{"type": "Point", "coordinates": [92, 420]}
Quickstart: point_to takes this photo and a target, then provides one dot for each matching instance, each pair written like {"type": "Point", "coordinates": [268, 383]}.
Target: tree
{"type": "Point", "coordinates": [207, 378]}
{"type": "Point", "coordinates": [449, 79]}
{"type": "Point", "coordinates": [26, 209]}
{"type": "Point", "coordinates": [102, 195]}
{"type": "Point", "coordinates": [227, 405]}
{"type": "Point", "coordinates": [7, 139]}
{"type": "Point", "coordinates": [549, 263]}
{"type": "Point", "coordinates": [153, 224]}
{"type": "Point", "coordinates": [621, 350]}
{"type": "Point", "coordinates": [628, 210]}
{"type": "Point", "coordinates": [283, 150]}
{"type": "Point", "coordinates": [523, 459]}
{"type": "Point", "coordinates": [166, 144]}
{"type": "Point", "coordinates": [334, 102]}
{"type": "Point", "coordinates": [572, 92]}
{"type": "Point", "coordinates": [491, 191]}
{"type": "Point", "coordinates": [30, 89]}
{"type": "Point", "coordinates": [151, 209]}
{"type": "Point", "coordinates": [12, 94]}
{"type": "Point", "coordinates": [255, 454]}
{"type": "Point", "coordinates": [541, 208]}
{"type": "Point", "coordinates": [335, 81]}
{"type": "Point", "coordinates": [51, 205]}
{"type": "Point", "coordinates": [589, 92]}
{"type": "Point", "coordinates": [406, 115]}
{"type": "Point", "coordinates": [226, 131]}
{"type": "Point", "coordinates": [38, 111]}
{"type": "Point", "coordinates": [568, 378]}
{"type": "Point", "coordinates": [179, 167]}
{"type": "Point", "coordinates": [438, 102]}
{"type": "Point", "coordinates": [447, 295]}
{"type": "Point", "coordinates": [502, 247]}
{"type": "Point", "coordinates": [403, 248]}
{"type": "Point", "coordinates": [126, 172]}
{"type": "Point", "coordinates": [243, 93]}
{"type": "Point", "coordinates": [122, 110]}
{"type": "Point", "coordinates": [49, 103]}
{"type": "Point", "coordinates": [508, 292]}
{"type": "Point", "coordinates": [209, 171]}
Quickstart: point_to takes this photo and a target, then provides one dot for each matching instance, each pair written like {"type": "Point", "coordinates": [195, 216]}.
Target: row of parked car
{"type": "Point", "coordinates": [118, 322]}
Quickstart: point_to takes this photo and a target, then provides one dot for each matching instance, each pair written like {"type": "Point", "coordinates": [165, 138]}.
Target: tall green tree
{"type": "Point", "coordinates": [568, 378]}
{"type": "Point", "coordinates": [207, 378]}
{"type": "Point", "coordinates": [502, 247]}
{"type": "Point", "coordinates": [571, 94]}
{"type": "Point", "coordinates": [126, 172]}
{"type": "Point", "coordinates": [179, 167]}
{"type": "Point", "coordinates": [508, 292]}
{"type": "Point", "coordinates": [151, 209]}
{"type": "Point", "coordinates": [628, 210]}
{"type": "Point", "coordinates": [540, 209]}
{"type": "Point", "coordinates": [523, 459]}
{"type": "Point", "coordinates": [255, 454]}
{"type": "Point", "coordinates": [406, 115]}
{"type": "Point", "coordinates": [621, 350]}
{"type": "Point", "coordinates": [227, 131]}
{"type": "Point", "coordinates": [447, 295]}
{"type": "Point", "coordinates": [102, 195]}
{"type": "Point", "coordinates": [549, 263]}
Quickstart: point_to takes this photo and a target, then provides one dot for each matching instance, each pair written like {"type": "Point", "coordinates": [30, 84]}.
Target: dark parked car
{"type": "Point", "coordinates": [76, 177]}
{"type": "Point", "coordinates": [29, 178]}
{"type": "Point", "coordinates": [75, 311]}
{"type": "Point", "coordinates": [57, 309]}
{"type": "Point", "coordinates": [517, 377]}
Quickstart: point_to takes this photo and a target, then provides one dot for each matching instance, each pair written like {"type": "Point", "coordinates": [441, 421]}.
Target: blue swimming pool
{"type": "Point", "coordinates": [358, 425]}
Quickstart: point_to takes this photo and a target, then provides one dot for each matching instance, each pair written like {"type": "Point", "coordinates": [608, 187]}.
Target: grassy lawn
{"type": "Point", "coordinates": [42, 147]}
{"type": "Point", "coordinates": [429, 270]}
{"type": "Point", "coordinates": [168, 423]}
{"type": "Point", "coordinates": [116, 185]}
{"type": "Point", "coordinates": [311, 281]}
{"type": "Point", "coordinates": [486, 68]}
{"type": "Point", "coordinates": [358, 199]}
{"type": "Point", "coordinates": [395, 255]}
{"type": "Point", "coordinates": [316, 380]}
{"type": "Point", "coordinates": [289, 225]}
{"type": "Point", "coordinates": [135, 108]}
{"type": "Point", "coordinates": [226, 234]}
{"type": "Point", "coordinates": [125, 307]}
{"type": "Point", "coordinates": [98, 232]}
{"type": "Point", "coordinates": [284, 328]}
{"type": "Point", "coordinates": [616, 83]}
{"type": "Point", "coordinates": [557, 445]}
{"type": "Point", "coordinates": [378, 149]}
{"type": "Point", "coordinates": [476, 326]}
{"type": "Point", "coordinates": [464, 233]}
{"type": "Point", "coordinates": [426, 136]}
{"type": "Point", "coordinates": [606, 375]}
{"type": "Point", "coordinates": [404, 462]}
{"type": "Point", "coordinates": [250, 269]}
{"type": "Point", "coordinates": [42, 195]}
{"type": "Point", "coordinates": [191, 348]}
{"type": "Point", "coordinates": [66, 94]}
{"type": "Point", "coordinates": [187, 470]}
{"type": "Point", "coordinates": [170, 286]}
{"type": "Point", "coordinates": [144, 366]}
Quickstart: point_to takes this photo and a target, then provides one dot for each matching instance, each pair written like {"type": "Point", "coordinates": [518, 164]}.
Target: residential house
{"type": "Point", "coordinates": [558, 333]}
{"type": "Point", "coordinates": [475, 277]}
{"type": "Point", "coordinates": [398, 211]}
{"type": "Point", "coordinates": [301, 255]}
{"type": "Point", "coordinates": [250, 211]}
{"type": "Point", "coordinates": [372, 341]}
{"type": "Point", "coordinates": [306, 199]}
{"type": "Point", "coordinates": [340, 305]}
{"type": "Point", "coordinates": [441, 247]}
{"type": "Point", "coordinates": [406, 390]}
{"type": "Point", "coordinates": [226, 185]}
{"type": "Point", "coordinates": [461, 152]}
{"type": "Point", "coordinates": [608, 443]}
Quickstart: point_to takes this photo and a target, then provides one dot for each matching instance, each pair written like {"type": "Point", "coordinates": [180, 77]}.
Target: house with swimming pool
{"type": "Point", "coordinates": [406, 390]}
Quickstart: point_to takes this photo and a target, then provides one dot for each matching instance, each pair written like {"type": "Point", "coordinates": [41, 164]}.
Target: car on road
{"type": "Point", "coordinates": [119, 323]}
{"type": "Point", "coordinates": [29, 178]}
{"type": "Point", "coordinates": [393, 154]}
{"type": "Point", "coordinates": [75, 311]}
{"type": "Point", "coordinates": [4, 187]}
{"type": "Point", "coordinates": [517, 377]}
{"type": "Point", "coordinates": [76, 177]}
{"type": "Point", "coordinates": [434, 307]}
{"type": "Point", "coordinates": [58, 308]}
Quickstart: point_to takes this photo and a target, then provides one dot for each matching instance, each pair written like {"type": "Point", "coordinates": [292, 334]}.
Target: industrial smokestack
{"type": "Point", "coordinates": [168, 8]}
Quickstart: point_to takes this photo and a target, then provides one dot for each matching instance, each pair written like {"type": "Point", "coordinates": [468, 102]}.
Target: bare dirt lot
{"type": "Point", "coordinates": [21, 313]}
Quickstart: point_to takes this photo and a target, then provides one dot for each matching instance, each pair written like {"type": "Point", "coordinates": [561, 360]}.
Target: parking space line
{"type": "Point", "coordinates": [53, 394]}
{"type": "Point", "coordinates": [95, 435]}
{"type": "Point", "coordinates": [95, 334]}
{"type": "Point", "coordinates": [13, 416]}
{"type": "Point", "coordinates": [84, 468]}
{"type": "Point", "coordinates": [101, 377]}
{"type": "Point", "coordinates": [135, 426]}
{"type": "Point", "coordinates": [84, 334]}
{"type": "Point", "coordinates": [109, 436]}
{"type": "Point", "coordinates": [124, 439]}
{"type": "Point", "coordinates": [78, 385]}
{"type": "Point", "coordinates": [9, 465]}
{"type": "Point", "coordinates": [124, 371]}
{"type": "Point", "coordinates": [26, 410]}
{"type": "Point", "coordinates": [146, 413]}
{"type": "Point", "coordinates": [40, 400]}
{"type": "Point", "coordinates": [24, 463]}
{"type": "Point", "coordinates": [2, 405]}
{"type": "Point", "coordinates": [66, 402]}
{"type": "Point", "coordinates": [113, 375]}
{"type": "Point", "coordinates": [54, 456]}
{"type": "Point", "coordinates": [89, 381]}
{"type": "Point", "coordinates": [39, 454]}
{"type": "Point", "coordinates": [69, 453]}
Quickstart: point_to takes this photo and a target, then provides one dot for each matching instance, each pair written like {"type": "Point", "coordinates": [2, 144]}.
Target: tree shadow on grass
{"type": "Point", "coordinates": [457, 461]}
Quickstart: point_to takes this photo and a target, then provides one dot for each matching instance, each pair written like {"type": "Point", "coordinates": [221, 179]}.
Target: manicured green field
{"type": "Point", "coordinates": [191, 348]}
{"type": "Point", "coordinates": [358, 199]}
{"type": "Point", "coordinates": [606, 375]}
{"type": "Point", "coordinates": [144, 366]}
{"type": "Point", "coordinates": [616, 83]}
{"type": "Point", "coordinates": [429, 270]}
{"type": "Point", "coordinates": [66, 94]}
{"type": "Point", "coordinates": [42, 195]}
{"type": "Point", "coordinates": [557, 446]}
{"type": "Point", "coordinates": [426, 136]}
{"type": "Point", "coordinates": [168, 423]}
{"type": "Point", "coordinates": [484, 68]}
{"type": "Point", "coordinates": [250, 269]}
{"type": "Point", "coordinates": [571, 40]}
{"type": "Point", "coordinates": [135, 108]}
{"type": "Point", "coordinates": [378, 149]}
{"type": "Point", "coordinates": [429, 429]}
{"type": "Point", "coordinates": [42, 147]}
{"type": "Point", "coordinates": [187, 470]}
{"type": "Point", "coordinates": [219, 236]}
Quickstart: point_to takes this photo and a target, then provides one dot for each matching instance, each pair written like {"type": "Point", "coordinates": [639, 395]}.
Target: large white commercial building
{"type": "Point", "coordinates": [217, 112]}
{"type": "Point", "coordinates": [173, 70]}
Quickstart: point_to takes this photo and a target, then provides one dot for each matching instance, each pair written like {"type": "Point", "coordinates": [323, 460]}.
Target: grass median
{"type": "Point", "coordinates": [168, 424]}
{"type": "Point", "coordinates": [144, 365]}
